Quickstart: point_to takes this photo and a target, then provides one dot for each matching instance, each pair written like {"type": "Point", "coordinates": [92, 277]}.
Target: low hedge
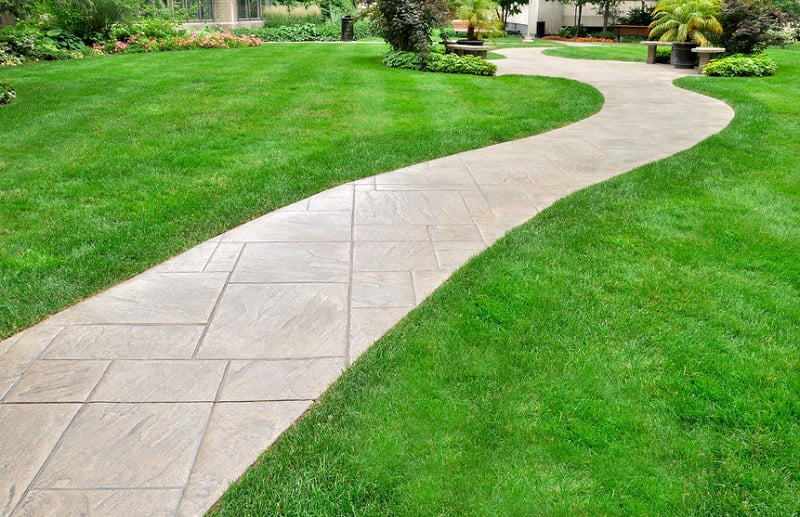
{"type": "Point", "coordinates": [445, 63]}
{"type": "Point", "coordinates": [739, 65]}
{"type": "Point", "coordinates": [7, 93]}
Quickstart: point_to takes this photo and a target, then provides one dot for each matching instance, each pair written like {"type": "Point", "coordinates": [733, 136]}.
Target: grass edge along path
{"type": "Point", "coordinates": [111, 165]}
{"type": "Point", "coordinates": [631, 350]}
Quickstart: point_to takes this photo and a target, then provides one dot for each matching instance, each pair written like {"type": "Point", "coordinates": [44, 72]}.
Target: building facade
{"type": "Point", "coordinates": [556, 15]}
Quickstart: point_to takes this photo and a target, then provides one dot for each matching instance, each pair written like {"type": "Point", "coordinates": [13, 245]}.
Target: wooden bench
{"type": "Point", "coordinates": [705, 54]}
{"type": "Point", "coordinates": [631, 30]}
{"type": "Point", "coordinates": [651, 49]}
{"type": "Point", "coordinates": [472, 50]}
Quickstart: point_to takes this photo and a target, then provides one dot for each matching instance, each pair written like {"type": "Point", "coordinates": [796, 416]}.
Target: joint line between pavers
{"type": "Point", "coordinates": [38, 358]}
{"type": "Point", "coordinates": [208, 260]}
{"type": "Point", "coordinates": [49, 458]}
{"type": "Point", "coordinates": [216, 304]}
{"type": "Point", "coordinates": [203, 435]}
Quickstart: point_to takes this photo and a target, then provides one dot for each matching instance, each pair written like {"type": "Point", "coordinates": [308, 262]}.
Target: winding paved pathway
{"type": "Point", "coordinates": [151, 397]}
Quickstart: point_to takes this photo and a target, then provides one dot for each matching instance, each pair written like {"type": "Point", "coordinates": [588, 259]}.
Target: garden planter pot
{"type": "Point", "coordinates": [476, 42]}
{"type": "Point", "coordinates": [682, 55]}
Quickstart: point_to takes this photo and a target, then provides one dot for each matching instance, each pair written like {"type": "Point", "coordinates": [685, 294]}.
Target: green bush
{"type": "Point", "coordinates": [366, 28]}
{"type": "Point", "coordinates": [443, 63]}
{"type": "Point", "coordinates": [453, 64]}
{"type": "Point", "coordinates": [663, 54]}
{"type": "Point", "coordinates": [32, 40]}
{"type": "Point", "coordinates": [303, 32]}
{"type": "Point", "coordinates": [90, 20]}
{"type": "Point", "coordinates": [7, 93]}
{"type": "Point", "coordinates": [637, 16]}
{"type": "Point", "coordinates": [739, 65]}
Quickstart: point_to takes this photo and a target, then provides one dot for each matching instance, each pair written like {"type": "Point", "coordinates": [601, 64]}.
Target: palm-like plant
{"type": "Point", "coordinates": [479, 15]}
{"type": "Point", "coordinates": [686, 20]}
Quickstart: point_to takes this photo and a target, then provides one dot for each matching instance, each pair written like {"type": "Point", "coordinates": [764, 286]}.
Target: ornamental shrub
{"type": "Point", "coordinates": [406, 24]}
{"type": "Point", "coordinates": [302, 32]}
{"type": "Point", "coordinates": [739, 65]}
{"type": "Point", "coordinates": [7, 93]}
{"type": "Point", "coordinates": [435, 62]}
{"type": "Point", "coordinates": [749, 26]}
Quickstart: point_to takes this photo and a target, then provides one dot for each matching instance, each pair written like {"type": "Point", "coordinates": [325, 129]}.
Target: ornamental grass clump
{"type": "Point", "coordinates": [686, 20]}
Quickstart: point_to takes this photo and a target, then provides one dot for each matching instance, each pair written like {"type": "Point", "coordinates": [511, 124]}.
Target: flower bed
{"type": "Point", "coordinates": [139, 44]}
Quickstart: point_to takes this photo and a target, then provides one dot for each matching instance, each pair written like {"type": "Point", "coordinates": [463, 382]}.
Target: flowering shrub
{"type": "Point", "coordinates": [137, 44]}
{"type": "Point", "coordinates": [7, 94]}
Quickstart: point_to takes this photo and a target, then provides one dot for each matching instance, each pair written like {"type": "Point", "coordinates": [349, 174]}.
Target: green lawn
{"type": "Point", "coordinates": [111, 165]}
{"type": "Point", "coordinates": [605, 51]}
{"type": "Point", "coordinates": [632, 350]}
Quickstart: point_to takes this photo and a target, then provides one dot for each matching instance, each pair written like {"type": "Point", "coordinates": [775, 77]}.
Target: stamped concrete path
{"type": "Point", "coordinates": [151, 397]}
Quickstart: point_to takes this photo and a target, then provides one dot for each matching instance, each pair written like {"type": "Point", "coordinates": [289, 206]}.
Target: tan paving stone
{"type": "Point", "coordinates": [125, 342]}
{"type": "Point", "coordinates": [100, 503]}
{"type": "Point", "coordinates": [28, 432]}
{"type": "Point", "coordinates": [454, 254]}
{"type": "Point", "coordinates": [237, 434]}
{"type": "Point", "coordinates": [294, 262]}
{"type": "Point", "coordinates": [461, 232]}
{"type": "Point", "coordinates": [278, 321]}
{"type": "Point", "coordinates": [390, 232]}
{"type": "Point", "coordinates": [299, 379]}
{"type": "Point", "coordinates": [151, 298]}
{"type": "Point", "coordinates": [294, 227]}
{"type": "Point", "coordinates": [127, 446]}
{"type": "Point", "coordinates": [368, 325]}
{"type": "Point", "coordinates": [58, 381]}
{"type": "Point", "coordinates": [415, 207]}
{"type": "Point", "coordinates": [425, 282]}
{"type": "Point", "coordinates": [19, 352]}
{"type": "Point", "coordinates": [191, 261]}
{"type": "Point", "coordinates": [160, 381]}
{"type": "Point", "coordinates": [393, 256]}
{"type": "Point", "coordinates": [382, 289]}
{"type": "Point", "coordinates": [224, 257]}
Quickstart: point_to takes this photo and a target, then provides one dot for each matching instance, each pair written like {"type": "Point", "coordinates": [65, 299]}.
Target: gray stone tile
{"type": "Point", "coordinates": [190, 261]}
{"type": "Point", "coordinates": [508, 200]}
{"type": "Point", "coordinates": [390, 232]}
{"type": "Point", "coordinates": [20, 351]}
{"type": "Point", "coordinates": [301, 379]}
{"type": "Point", "coordinates": [278, 321]}
{"type": "Point", "coordinates": [415, 207]}
{"type": "Point", "coordinates": [125, 342]}
{"type": "Point", "coordinates": [477, 205]}
{"type": "Point", "coordinates": [461, 232]}
{"type": "Point", "coordinates": [425, 282]}
{"type": "Point", "coordinates": [28, 433]}
{"type": "Point", "coordinates": [382, 289]}
{"type": "Point", "coordinates": [454, 254]}
{"type": "Point", "coordinates": [151, 298]}
{"type": "Point", "coordinates": [160, 381]}
{"type": "Point", "coordinates": [58, 381]}
{"type": "Point", "coordinates": [294, 227]}
{"type": "Point", "coordinates": [237, 434]}
{"type": "Point", "coordinates": [224, 257]}
{"type": "Point", "coordinates": [264, 262]}
{"type": "Point", "coordinates": [442, 174]}
{"type": "Point", "coordinates": [99, 503]}
{"type": "Point", "coordinates": [339, 198]}
{"type": "Point", "coordinates": [368, 325]}
{"type": "Point", "coordinates": [127, 446]}
{"type": "Point", "coordinates": [393, 256]}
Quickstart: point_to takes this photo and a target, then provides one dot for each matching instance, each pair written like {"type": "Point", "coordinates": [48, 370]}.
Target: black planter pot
{"type": "Point", "coordinates": [682, 55]}
{"type": "Point", "coordinates": [475, 42]}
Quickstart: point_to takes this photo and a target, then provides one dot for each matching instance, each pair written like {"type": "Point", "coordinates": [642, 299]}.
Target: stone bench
{"type": "Point", "coordinates": [705, 54]}
{"type": "Point", "coordinates": [651, 49]}
{"type": "Point", "coordinates": [472, 50]}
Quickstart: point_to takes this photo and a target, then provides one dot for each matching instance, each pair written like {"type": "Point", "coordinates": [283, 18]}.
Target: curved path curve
{"type": "Point", "coordinates": [151, 397]}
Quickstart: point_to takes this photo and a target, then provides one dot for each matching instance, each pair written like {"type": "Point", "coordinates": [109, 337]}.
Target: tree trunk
{"type": "Point", "coordinates": [606, 12]}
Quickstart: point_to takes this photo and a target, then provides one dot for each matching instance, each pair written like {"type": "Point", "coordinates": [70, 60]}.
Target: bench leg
{"type": "Point", "coordinates": [651, 54]}
{"type": "Point", "coordinates": [702, 62]}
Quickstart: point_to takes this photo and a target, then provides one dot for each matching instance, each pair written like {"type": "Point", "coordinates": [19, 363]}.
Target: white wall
{"type": "Point", "coordinates": [556, 15]}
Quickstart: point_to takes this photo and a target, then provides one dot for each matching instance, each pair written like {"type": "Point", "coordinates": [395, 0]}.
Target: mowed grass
{"type": "Point", "coordinates": [603, 51]}
{"type": "Point", "coordinates": [632, 350]}
{"type": "Point", "coordinates": [108, 166]}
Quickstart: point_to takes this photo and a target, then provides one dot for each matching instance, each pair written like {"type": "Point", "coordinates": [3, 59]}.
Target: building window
{"type": "Point", "coordinates": [249, 9]}
{"type": "Point", "coordinates": [199, 10]}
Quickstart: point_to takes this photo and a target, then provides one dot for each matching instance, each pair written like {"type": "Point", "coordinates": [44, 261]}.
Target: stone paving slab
{"type": "Point", "coordinates": [152, 397]}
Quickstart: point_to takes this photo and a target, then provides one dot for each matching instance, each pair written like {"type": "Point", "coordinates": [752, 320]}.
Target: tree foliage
{"type": "Point", "coordinates": [506, 8]}
{"type": "Point", "coordinates": [406, 24]}
{"type": "Point", "coordinates": [749, 25]}
{"type": "Point", "coordinates": [686, 20]}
